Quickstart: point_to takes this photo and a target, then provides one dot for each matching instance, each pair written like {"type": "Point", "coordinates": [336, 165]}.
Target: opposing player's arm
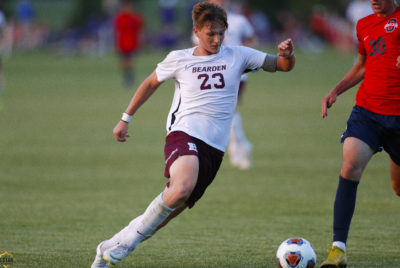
{"type": "Point", "coordinates": [145, 90]}
{"type": "Point", "coordinates": [352, 78]}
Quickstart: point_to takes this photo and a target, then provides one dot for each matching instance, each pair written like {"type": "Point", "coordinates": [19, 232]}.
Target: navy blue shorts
{"type": "Point", "coordinates": [179, 143]}
{"type": "Point", "coordinates": [377, 130]}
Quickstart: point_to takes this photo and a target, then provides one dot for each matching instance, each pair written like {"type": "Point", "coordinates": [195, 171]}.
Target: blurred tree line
{"type": "Point", "coordinates": [271, 8]}
{"type": "Point", "coordinates": [304, 7]}
{"type": "Point", "coordinates": [80, 10]}
{"type": "Point", "coordinates": [298, 7]}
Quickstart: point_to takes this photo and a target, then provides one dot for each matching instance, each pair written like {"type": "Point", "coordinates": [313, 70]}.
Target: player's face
{"type": "Point", "coordinates": [382, 7]}
{"type": "Point", "coordinates": [210, 37]}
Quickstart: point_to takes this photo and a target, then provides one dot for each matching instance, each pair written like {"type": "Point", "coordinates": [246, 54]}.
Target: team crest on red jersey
{"type": "Point", "coordinates": [391, 25]}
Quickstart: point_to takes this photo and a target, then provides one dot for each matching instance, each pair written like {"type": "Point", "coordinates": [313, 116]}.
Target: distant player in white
{"type": "Point", "coordinates": [240, 32]}
{"type": "Point", "coordinates": [356, 10]}
{"type": "Point", "coordinates": [206, 86]}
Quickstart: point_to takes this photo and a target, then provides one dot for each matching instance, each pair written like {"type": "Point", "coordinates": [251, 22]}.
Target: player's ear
{"type": "Point", "coordinates": [195, 30]}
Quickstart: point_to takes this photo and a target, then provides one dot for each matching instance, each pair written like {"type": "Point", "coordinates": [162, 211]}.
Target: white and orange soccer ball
{"type": "Point", "coordinates": [296, 252]}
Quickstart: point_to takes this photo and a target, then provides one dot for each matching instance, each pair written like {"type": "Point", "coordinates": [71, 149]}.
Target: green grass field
{"type": "Point", "coordinates": [66, 184]}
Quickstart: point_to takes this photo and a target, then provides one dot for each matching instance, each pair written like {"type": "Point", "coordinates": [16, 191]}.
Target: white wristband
{"type": "Point", "coordinates": [126, 117]}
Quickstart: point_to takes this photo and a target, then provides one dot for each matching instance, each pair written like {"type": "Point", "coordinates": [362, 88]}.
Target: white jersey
{"type": "Point", "coordinates": [206, 89]}
{"type": "Point", "coordinates": [239, 29]}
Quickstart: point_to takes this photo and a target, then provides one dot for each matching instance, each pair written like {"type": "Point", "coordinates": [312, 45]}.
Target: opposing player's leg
{"type": "Point", "coordinates": [392, 147]}
{"type": "Point", "coordinates": [395, 176]}
{"type": "Point", "coordinates": [126, 62]}
{"type": "Point", "coordinates": [356, 155]}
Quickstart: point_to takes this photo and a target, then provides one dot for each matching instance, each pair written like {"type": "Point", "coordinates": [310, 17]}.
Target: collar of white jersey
{"type": "Point", "coordinates": [191, 51]}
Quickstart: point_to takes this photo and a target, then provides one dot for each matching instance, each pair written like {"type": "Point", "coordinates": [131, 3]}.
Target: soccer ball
{"type": "Point", "coordinates": [296, 253]}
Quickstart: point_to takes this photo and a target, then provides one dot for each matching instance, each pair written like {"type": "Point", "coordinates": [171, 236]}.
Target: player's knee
{"type": "Point", "coordinates": [182, 193]}
{"type": "Point", "coordinates": [350, 171]}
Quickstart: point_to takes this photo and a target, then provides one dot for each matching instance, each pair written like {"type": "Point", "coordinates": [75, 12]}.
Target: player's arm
{"type": "Point", "coordinates": [352, 78]}
{"type": "Point", "coordinates": [145, 90]}
{"type": "Point", "coordinates": [286, 58]}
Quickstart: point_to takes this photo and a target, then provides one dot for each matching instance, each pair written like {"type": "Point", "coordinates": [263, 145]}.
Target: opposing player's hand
{"type": "Point", "coordinates": [286, 48]}
{"type": "Point", "coordinates": [398, 62]}
{"type": "Point", "coordinates": [121, 131]}
{"type": "Point", "coordinates": [326, 103]}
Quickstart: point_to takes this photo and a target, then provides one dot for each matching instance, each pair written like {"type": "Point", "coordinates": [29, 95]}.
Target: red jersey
{"type": "Point", "coordinates": [379, 41]}
{"type": "Point", "coordinates": [127, 27]}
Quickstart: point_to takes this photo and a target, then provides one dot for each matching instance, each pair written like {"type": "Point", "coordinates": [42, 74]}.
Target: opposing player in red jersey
{"type": "Point", "coordinates": [374, 123]}
{"type": "Point", "coordinates": [127, 30]}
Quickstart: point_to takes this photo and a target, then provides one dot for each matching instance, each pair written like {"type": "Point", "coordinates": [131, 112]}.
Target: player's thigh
{"type": "Point", "coordinates": [356, 155]}
{"type": "Point", "coordinates": [184, 172]}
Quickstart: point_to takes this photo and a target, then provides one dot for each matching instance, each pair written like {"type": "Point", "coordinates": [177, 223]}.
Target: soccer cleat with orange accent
{"type": "Point", "coordinates": [336, 258]}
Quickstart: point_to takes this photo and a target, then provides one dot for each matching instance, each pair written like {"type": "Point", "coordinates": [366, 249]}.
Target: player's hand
{"type": "Point", "coordinates": [286, 48]}
{"type": "Point", "coordinates": [326, 103]}
{"type": "Point", "coordinates": [121, 131]}
{"type": "Point", "coordinates": [398, 62]}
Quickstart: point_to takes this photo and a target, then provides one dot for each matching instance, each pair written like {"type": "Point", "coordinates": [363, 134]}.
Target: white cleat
{"type": "Point", "coordinates": [99, 262]}
{"type": "Point", "coordinates": [115, 254]}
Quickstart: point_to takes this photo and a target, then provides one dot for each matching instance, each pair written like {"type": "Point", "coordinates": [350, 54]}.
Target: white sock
{"type": "Point", "coordinates": [143, 226]}
{"type": "Point", "coordinates": [340, 245]}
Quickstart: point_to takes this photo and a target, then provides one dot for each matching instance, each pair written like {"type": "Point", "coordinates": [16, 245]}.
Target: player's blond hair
{"type": "Point", "coordinates": [204, 12]}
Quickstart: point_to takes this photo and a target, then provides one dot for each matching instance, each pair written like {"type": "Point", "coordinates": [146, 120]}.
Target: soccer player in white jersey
{"type": "Point", "coordinates": [206, 86]}
{"type": "Point", "coordinates": [240, 32]}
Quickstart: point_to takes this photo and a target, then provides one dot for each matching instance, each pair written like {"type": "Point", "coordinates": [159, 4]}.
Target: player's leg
{"type": "Point", "coordinates": [356, 155]}
{"type": "Point", "coordinates": [184, 172]}
{"type": "Point", "coordinates": [395, 176]}
{"type": "Point", "coordinates": [172, 215]}
{"type": "Point", "coordinates": [127, 71]}
{"type": "Point", "coordinates": [176, 171]}
{"type": "Point", "coordinates": [113, 250]}
{"type": "Point", "coordinates": [392, 147]}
